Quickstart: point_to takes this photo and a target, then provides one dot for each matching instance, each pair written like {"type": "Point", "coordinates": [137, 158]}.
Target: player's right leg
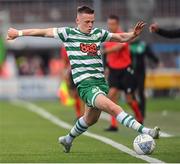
{"type": "Point", "coordinates": [106, 105]}
{"type": "Point", "coordinates": [89, 118]}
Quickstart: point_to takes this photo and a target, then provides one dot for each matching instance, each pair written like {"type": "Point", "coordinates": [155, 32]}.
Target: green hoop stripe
{"type": "Point", "coordinates": [104, 37]}
{"type": "Point", "coordinates": [140, 129]}
{"type": "Point", "coordinates": [124, 119]}
{"type": "Point", "coordinates": [61, 37]}
{"type": "Point", "coordinates": [79, 129]}
{"type": "Point", "coordinates": [81, 125]}
{"type": "Point", "coordinates": [86, 65]}
{"type": "Point", "coordinates": [128, 123]}
{"type": "Point", "coordinates": [72, 135]}
{"type": "Point", "coordinates": [84, 72]}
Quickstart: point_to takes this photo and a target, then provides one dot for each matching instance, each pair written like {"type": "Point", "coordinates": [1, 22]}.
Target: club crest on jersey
{"type": "Point", "coordinates": [94, 36]}
{"type": "Point", "coordinates": [95, 89]}
{"type": "Point", "coordinates": [90, 49]}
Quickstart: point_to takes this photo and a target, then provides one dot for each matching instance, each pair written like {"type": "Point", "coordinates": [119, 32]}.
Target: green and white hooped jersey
{"type": "Point", "coordinates": [83, 51]}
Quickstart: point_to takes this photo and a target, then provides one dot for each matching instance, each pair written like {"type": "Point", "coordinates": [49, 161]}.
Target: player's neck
{"type": "Point", "coordinates": [82, 31]}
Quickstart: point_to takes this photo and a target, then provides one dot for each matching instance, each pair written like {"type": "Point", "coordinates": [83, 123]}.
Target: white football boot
{"type": "Point", "coordinates": [154, 133]}
{"type": "Point", "coordinates": [67, 146]}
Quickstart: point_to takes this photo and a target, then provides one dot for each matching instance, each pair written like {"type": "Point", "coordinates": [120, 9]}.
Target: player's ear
{"type": "Point", "coordinates": [77, 20]}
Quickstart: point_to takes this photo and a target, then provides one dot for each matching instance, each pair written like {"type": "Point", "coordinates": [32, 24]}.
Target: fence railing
{"type": "Point", "coordinates": [23, 11]}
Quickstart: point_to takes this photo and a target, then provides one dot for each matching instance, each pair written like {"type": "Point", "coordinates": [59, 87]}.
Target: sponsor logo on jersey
{"type": "Point", "coordinates": [90, 49]}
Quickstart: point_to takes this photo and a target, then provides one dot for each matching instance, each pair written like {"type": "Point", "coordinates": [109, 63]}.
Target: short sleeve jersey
{"type": "Point", "coordinates": [83, 51]}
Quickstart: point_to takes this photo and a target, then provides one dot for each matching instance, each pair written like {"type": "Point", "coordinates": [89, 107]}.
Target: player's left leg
{"type": "Point", "coordinates": [106, 105]}
{"type": "Point", "coordinates": [89, 118]}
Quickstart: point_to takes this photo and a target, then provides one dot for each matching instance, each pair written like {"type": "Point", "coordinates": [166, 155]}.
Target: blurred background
{"type": "Point", "coordinates": [30, 67]}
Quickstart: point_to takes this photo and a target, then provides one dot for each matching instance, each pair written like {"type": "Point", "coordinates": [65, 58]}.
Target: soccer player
{"type": "Point", "coordinates": [163, 32]}
{"type": "Point", "coordinates": [121, 74]}
{"type": "Point", "coordinates": [83, 48]}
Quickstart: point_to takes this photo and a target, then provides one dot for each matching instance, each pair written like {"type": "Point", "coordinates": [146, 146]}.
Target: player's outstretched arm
{"type": "Point", "coordinates": [14, 33]}
{"type": "Point", "coordinates": [126, 37]}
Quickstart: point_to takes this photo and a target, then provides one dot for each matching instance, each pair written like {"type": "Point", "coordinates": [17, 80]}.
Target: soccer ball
{"type": "Point", "coordinates": [144, 144]}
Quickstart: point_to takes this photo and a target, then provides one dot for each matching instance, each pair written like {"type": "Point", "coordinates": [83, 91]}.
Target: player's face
{"type": "Point", "coordinates": [113, 25]}
{"type": "Point", "coordinates": [85, 22]}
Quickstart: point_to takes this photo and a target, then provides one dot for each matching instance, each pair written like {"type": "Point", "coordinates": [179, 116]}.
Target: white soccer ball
{"type": "Point", "coordinates": [144, 144]}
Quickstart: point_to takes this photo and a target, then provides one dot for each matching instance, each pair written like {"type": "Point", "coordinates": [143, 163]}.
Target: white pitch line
{"type": "Point", "coordinates": [48, 116]}
{"type": "Point", "coordinates": [106, 117]}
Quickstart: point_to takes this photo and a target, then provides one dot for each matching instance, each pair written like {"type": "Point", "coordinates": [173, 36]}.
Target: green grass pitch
{"type": "Point", "coordinates": [27, 137]}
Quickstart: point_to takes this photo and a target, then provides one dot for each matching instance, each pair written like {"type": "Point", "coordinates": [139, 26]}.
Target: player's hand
{"type": "Point", "coordinates": [138, 28]}
{"type": "Point", "coordinates": [12, 34]}
{"type": "Point", "coordinates": [153, 27]}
